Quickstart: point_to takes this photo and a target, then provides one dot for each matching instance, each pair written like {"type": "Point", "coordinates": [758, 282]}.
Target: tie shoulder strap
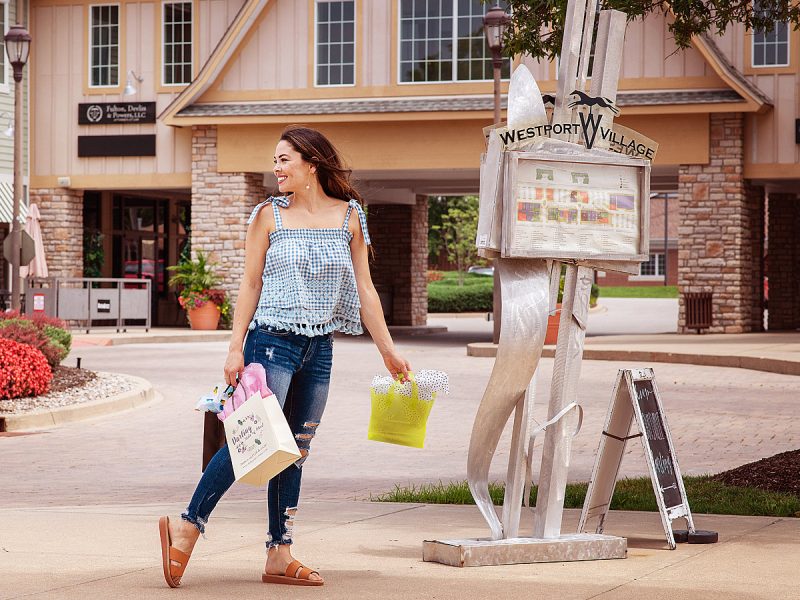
{"type": "Point", "coordinates": [276, 201]}
{"type": "Point", "coordinates": [362, 218]}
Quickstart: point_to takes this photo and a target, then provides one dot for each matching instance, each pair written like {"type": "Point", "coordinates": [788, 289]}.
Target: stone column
{"type": "Point", "coordinates": [783, 267]}
{"type": "Point", "coordinates": [721, 231]}
{"type": "Point", "coordinates": [399, 235]}
{"type": "Point", "coordinates": [221, 203]}
{"type": "Point", "coordinates": [62, 229]}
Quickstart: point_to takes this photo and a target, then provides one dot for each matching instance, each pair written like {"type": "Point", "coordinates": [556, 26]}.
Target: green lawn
{"type": "Point", "coordinates": [654, 291]}
{"type": "Point", "coordinates": [705, 496]}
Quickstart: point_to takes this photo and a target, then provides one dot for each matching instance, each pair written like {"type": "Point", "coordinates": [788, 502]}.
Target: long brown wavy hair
{"type": "Point", "coordinates": [315, 148]}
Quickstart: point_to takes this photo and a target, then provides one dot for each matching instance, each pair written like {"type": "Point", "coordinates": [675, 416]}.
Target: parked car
{"type": "Point", "coordinates": [488, 271]}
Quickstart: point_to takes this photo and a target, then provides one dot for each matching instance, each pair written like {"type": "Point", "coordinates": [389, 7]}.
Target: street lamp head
{"type": "Point", "coordinates": [18, 46]}
{"type": "Point", "coordinates": [495, 23]}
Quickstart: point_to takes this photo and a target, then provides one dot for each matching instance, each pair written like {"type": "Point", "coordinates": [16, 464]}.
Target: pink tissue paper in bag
{"type": "Point", "coordinates": [253, 379]}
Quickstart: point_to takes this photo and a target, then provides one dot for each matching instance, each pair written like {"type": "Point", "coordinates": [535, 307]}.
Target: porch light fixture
{"type": "Point", "coordinates": [130, 88]}
{"type": "Point", "coordinates": [18, 47]}
{"type": "Point", "coordinates": [9, 130]}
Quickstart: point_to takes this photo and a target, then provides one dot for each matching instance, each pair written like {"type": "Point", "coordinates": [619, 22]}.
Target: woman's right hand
{"type": "Point", "coordinates": [234, 365]}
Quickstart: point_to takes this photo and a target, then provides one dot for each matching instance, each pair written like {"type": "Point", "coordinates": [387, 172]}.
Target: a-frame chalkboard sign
{"type": "Point", "coordinates": [636, 397]}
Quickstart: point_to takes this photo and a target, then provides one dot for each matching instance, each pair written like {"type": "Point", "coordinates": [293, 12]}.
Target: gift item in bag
{"type": "Point", "coordinates": [259, 439]}
{"type": "Point", "coordinates": [216, 400]}
{"type": "Point", "coordinates": [252, 380]}
{"type": "Point", "coordinates": [400, 410]}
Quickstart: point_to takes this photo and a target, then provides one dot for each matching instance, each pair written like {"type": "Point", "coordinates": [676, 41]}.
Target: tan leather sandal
{"type": "Point", "coordinates": [173, 560]}
{"type": "Point", "coordinates": [296, 574]}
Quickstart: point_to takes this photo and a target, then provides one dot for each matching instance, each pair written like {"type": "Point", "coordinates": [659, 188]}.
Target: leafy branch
{"type": "Point", "coordinates": [538, 25]}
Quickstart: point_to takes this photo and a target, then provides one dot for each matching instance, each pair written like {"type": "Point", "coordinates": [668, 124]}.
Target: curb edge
{"type": "Point", "coordinates": [143, 393]}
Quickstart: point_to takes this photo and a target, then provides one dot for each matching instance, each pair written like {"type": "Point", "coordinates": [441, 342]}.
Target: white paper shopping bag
{"type": "Point", "coordinates": [259, 439]}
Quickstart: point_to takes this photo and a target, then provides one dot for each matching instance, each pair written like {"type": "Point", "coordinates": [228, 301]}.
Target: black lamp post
{"type": "Point", "coordinates": [495, 23]}
{"type": "Point", "coordinates": [18, 46]}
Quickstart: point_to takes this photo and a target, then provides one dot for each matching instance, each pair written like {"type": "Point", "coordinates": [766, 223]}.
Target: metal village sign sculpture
{"type": "Point", "coordinates": [572, 190]}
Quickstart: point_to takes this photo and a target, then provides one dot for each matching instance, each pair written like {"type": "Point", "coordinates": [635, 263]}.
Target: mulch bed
{"type": "Point", "coordinates": [65, 378]}
{"type": "Point", "coordinates": [779, 473]}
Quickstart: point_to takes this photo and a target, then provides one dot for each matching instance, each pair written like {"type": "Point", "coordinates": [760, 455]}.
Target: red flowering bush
{"type": "Point", "coordinates": [23, 371]}
{"type": "Point", "coordinates": [25, 331]}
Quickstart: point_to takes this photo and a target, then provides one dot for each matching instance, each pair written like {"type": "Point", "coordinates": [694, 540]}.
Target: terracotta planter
{"type": "Point", "coordinates": [551, 337]}
{"type": "Point", "coordinates": [205, 318]}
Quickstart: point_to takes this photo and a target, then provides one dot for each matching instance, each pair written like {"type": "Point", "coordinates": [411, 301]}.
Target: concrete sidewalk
{"type": "Point", "coordinates": [374, 550]}
{"type": "Point", "coordinates": [774, 352]}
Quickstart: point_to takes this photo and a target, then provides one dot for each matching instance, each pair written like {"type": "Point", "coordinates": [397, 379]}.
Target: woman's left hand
{"type": "Point", "coordinates": [397, 365]}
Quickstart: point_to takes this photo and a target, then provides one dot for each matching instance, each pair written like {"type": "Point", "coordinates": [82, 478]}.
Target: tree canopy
{"type": "Point", "coordinates": [538, 24]}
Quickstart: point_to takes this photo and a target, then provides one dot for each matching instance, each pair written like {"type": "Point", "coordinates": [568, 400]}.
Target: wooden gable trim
{"type": "Point", "coordinates": [756, 100]}
{"type": "Point", "coordinates": [217, 61]}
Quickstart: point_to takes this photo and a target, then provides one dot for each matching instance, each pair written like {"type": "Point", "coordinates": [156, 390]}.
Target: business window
{"type": "Point", "coordinates": [653, 266]}
{"type": "Point", "coordinates": [177, 43]}
{"type": "Point", "coordinates": [104, 45]}
{"type": "Point", "coordinates": [443, 40]}
{"type": "Point", "coordinates": [335, 43]}
{"type": "Point", "coordinates": [771, 48]}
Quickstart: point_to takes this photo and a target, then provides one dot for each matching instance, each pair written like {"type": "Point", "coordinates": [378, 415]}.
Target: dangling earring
{"type": "Point", "coordinates": [308, 186]}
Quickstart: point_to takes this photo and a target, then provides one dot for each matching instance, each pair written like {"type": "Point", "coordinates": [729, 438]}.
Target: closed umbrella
{"type": "Point", "coordinates": [38, 266]}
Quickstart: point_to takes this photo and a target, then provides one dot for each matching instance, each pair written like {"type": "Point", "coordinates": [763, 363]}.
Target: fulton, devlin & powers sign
{"type": "Point", "coordinates": [116, 113]}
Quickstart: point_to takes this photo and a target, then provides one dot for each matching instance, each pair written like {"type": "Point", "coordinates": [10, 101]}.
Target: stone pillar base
{"type": "Point", "coordinates": [62, 229]}
{"type": "Point", "coordinates": [221, 203]}
{"type": "Point", "coordinates": [399, 235]}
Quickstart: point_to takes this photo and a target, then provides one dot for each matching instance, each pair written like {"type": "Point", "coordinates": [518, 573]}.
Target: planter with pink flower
{"type": "Point", "coordinates": [204, 303]}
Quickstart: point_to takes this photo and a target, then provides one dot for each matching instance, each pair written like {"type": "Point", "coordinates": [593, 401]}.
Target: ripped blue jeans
{"type": "Point", "coordinates": [298, 372]}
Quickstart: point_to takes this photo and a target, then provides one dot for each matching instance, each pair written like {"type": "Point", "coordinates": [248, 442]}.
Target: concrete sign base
{"type": "Point", "coordinates": [512, 551]}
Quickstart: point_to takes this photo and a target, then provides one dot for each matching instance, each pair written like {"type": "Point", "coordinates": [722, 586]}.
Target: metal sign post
{"type": "Point", "coordinates": [546, 205]}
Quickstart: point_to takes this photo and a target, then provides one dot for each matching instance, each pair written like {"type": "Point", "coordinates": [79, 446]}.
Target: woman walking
{"type": "Point", "coordinates": [306, 276]}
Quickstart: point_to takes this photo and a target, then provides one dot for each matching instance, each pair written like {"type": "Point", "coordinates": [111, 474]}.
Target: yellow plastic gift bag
{"type": "Point", "coordinates": [400, 409]}
{"type": "Point", "coordinates": [398, 415]}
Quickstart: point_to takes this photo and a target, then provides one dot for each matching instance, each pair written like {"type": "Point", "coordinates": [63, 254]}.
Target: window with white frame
{"type": "Point", "coordinates": [104, 45]}
{"type": "Point", "coordinates": [771, 48]}
{"type": "Point", "coordinates": [443, 40]}
{"type": "Point", "coordinates": [335, 43]}
{"type": "Point", "coordinates": [177, 43]}
{"type": "Point", "coordinates": [653, 267]}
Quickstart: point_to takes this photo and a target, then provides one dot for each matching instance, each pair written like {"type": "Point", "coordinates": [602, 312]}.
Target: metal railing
{"type": "Point", "coordinates": [88, 300]}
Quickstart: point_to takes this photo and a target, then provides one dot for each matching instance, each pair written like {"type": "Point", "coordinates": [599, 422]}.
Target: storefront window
{"type": "Point", "coordinates": [104, 50]}
{"type": "Point", "coordinates": [335, 43]}
{"type": "Point", "coordinates": [443, 40]}
{"type": "Point", "coordinates": [177, 43]}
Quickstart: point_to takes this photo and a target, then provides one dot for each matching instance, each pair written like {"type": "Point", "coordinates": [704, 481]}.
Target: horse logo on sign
{"type": "Point", "coordinates": [582, 99]}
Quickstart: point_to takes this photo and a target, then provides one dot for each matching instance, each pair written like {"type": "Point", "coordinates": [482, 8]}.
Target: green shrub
{"type": "Point", "coordinates": [59, 336]}
{"type": "Point", "coordinates": [453, 299]}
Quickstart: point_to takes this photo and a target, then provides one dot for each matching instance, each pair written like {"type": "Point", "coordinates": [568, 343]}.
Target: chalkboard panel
{"type": "Point", "coordinates": [656, 436]}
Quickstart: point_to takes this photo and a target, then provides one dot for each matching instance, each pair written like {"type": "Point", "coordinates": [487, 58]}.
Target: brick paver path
{"type": "Point", "coordinates": [720, 418]}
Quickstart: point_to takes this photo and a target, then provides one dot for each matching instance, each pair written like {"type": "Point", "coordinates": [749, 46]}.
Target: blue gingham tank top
{"type": "Point", "coordinates": [308, 285]}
